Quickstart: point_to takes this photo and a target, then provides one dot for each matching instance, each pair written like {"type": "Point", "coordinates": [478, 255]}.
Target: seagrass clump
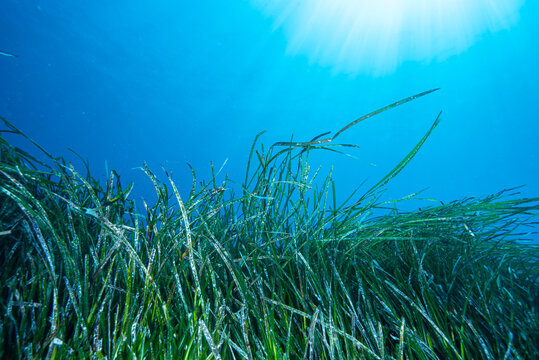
{"type": "Point", "coordinates": [272, 268]}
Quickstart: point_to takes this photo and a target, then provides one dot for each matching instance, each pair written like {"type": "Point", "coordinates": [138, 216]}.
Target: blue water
{"type": "Point", "coordinates": [169, 82]}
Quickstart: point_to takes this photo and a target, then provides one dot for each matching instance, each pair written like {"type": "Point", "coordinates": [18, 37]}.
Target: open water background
{"type": "Point", "coordinates": [169, 82]}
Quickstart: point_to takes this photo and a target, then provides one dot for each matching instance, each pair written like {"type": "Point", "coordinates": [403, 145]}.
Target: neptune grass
{"type": "Point", "coordinates": [280, 270]}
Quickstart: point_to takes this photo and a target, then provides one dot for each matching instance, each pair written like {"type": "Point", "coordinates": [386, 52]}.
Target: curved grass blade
{"type": "Point", "coordinates": [381, 110]}
{"type": "Point", "coordinates": [401, 165]}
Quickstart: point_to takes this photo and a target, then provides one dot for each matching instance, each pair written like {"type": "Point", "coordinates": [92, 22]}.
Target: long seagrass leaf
{"type": "Point", "coordinates": [381, 110]}
{"type": "Point", "coordinates": [401, 165]}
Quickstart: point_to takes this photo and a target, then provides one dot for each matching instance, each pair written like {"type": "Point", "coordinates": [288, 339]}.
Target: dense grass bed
{"type": "Point", "coordinates": [277, 270]}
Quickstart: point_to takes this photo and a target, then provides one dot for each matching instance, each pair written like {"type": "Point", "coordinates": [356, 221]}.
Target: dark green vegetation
{"type": "Point", "coordinates": [279, 271]}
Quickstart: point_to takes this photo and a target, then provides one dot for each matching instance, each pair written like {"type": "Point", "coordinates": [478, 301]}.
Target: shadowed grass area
{"type": "Point", "coordinates": [278, 271]}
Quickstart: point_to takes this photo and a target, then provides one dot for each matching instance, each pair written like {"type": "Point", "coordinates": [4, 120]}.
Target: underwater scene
{"type": "Point", "coordinates": [269, 179]}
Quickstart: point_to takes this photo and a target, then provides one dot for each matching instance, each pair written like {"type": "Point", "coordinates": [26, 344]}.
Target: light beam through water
{"type": "Point", "coordinates": [375, 37]}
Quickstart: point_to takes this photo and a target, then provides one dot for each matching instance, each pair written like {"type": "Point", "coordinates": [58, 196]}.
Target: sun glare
{"type": "Point", "coordinates": [375, 37]}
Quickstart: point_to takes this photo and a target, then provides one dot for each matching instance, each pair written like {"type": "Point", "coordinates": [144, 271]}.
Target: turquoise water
{"type": "Point", "coordinates": [169, 82]}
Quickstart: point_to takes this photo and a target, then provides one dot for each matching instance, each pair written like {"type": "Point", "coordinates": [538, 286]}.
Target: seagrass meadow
{"type": "Point", "coordinates": [275, 270]}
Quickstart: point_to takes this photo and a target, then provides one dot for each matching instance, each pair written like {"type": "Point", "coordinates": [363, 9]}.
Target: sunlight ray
{"type": "Point", "coordinates": [375, 37]}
